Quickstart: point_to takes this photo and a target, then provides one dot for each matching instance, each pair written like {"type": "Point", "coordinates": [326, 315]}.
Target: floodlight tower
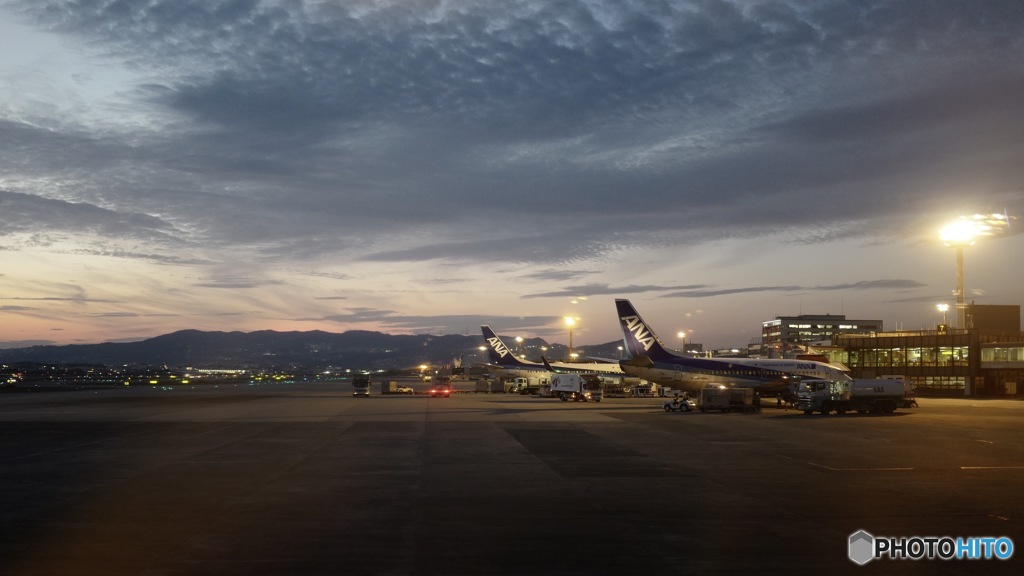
{"type": "Point", "coordinates": [958, 235]}
{"type": "Point", "coordinates": [570, 322]}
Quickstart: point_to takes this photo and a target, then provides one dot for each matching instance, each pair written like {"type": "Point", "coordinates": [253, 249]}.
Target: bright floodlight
{"type": "Point", "coordinates": [963, 231]}
{"type": "Point", "coordinates": [959, 233]}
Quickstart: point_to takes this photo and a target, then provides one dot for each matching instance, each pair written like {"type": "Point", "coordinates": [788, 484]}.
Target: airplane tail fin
{"type": "Point", "coordinates": [637, 336]}
{"type": "Point", "coordinates": [497, 352]}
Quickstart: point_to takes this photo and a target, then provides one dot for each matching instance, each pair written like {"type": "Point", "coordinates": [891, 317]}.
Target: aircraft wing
{"type": "Point", "coordinates": [603, 360]}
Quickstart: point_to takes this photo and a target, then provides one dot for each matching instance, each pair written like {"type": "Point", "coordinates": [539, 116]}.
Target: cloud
{"type": "Point", "coordinates": [77, 299]}
{"type": "Point", "coordinates": [895, 284]}
{"type": "Point", "coordinates": [299, 112]}
{"type": "Point", "coordinates": [329, 275]}
{"type": "Point", "coordinates": [442, 323]}
{"type": "Point", "coordinates": [357, 315]}
{"type": "Point", "coordinates": [606, 290]}
{"type": "Point", "coordinates": [498, 143]}
{"type": "Point", "coordinates": [555, 274]}
{"type": "Point", "coordinates": [235, 282]}
{"type": "Point", "coordinates": [28, 214]}
{"type": "Point", "coordinates": [170, 259]}
{"type": "Point", "coordinates": [25, 343]}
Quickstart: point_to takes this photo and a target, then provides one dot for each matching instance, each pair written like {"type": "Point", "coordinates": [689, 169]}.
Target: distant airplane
{"type": "Point", "coordinates": [652, 361]}
{"type": "Point", "coordinates": [504, 361]}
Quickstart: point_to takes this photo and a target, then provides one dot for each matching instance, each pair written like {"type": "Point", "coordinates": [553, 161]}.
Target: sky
{"type": "Point", "coordinates": [416, 166]}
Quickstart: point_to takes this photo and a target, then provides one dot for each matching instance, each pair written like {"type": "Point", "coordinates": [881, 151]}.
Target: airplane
{"type": "Point", "coordinates": [652, 361]}
{"type": "Point", "coordinates": [504, 361]}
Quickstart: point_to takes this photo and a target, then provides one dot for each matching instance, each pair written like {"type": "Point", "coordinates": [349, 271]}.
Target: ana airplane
{"type": "Point", "coordinates": [504, 361]}
{"type": "Point", "coordinates": [652, 361]}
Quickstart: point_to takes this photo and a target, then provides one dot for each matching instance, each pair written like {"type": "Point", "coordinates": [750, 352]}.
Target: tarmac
{"type": "Point", "coordinates": [305, 479]}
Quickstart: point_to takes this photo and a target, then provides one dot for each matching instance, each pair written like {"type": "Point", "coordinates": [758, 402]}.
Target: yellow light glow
{"type": "Point", "coordinates": [959, 233]}
{"type": "Point", "coordinates": [569, 321]}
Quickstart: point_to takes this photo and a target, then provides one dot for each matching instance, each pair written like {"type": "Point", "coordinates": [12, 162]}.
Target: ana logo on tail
{"type": "Point", "coordinates": [498, 347]}
{"type": "Point", "coordinates": [642, 334]}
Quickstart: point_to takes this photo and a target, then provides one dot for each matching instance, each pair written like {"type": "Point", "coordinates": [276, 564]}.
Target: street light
{"type": "Point", "coordinates": [519, 341]}
{"type": "Point", "coordinates": [570, 322]}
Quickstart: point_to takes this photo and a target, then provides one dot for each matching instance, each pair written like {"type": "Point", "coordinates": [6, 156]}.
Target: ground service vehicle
{"type": "Point", "coordinates": [680, 404]}
{"type": "Point", "coordinates": [442, 388]}
{"type": "Point", "coordinates": [361, 385]}
{"type": "Point", "coordinates": [576, 387]}
{"type": "Point", "coordinates": [527, 384]}
{"type": "Point", "coordinates": [864, 396]}
{"type": "Point", "coordinates": [727, 399]}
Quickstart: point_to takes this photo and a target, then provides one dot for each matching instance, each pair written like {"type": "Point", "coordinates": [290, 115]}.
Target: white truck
{"type": "Point", "coordinates": [526, 384]}
{"type": "Point", "coordinates": [576, 387]}
{"type": "Point", "coordinates": [864, 396]}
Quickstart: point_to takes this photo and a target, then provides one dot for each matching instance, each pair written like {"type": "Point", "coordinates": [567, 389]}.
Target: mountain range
{"type": "Point", "coordinates": [357, 349]}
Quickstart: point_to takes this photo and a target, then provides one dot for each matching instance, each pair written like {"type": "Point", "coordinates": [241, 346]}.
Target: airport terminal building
{"type": "Point", "coordinates": [782, 334]}
{"type": "Point", "coordinates": [985, 359]}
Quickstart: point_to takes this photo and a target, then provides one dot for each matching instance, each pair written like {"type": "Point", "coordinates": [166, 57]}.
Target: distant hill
{"type": "Point", "coordinates": [356, 349]}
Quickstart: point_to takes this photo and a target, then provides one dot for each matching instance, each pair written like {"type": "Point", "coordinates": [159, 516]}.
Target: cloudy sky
{"type": "Point", "coordinates": [418, 166]}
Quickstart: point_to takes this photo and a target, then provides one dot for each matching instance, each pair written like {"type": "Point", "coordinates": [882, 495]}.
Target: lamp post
{"type": "Point", "coordinates": [957, 235]}
{"type": "Point", "coordinates": [570, 322]}
{"type": "Point", "coordinates": [519, 341]}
